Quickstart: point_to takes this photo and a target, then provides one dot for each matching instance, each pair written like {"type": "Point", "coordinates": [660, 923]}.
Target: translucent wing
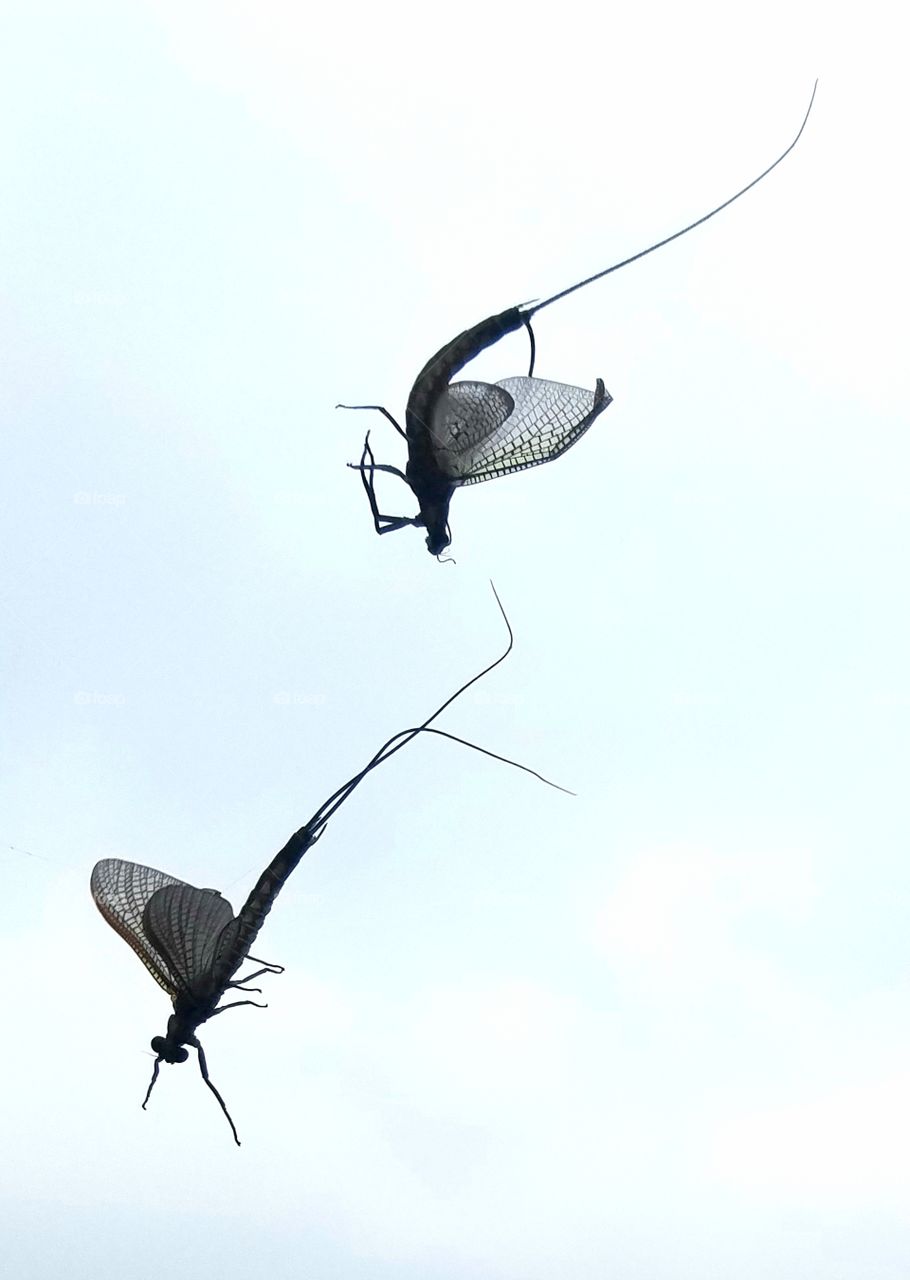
{"type": "Point", "coordinates": [184, 924]}
{"type": "Point", "coordinates": [481, 431]}
{"type": "Point", "coordinates": [465, 416]}
{"type": "Point", "coordinates": [122, 891]}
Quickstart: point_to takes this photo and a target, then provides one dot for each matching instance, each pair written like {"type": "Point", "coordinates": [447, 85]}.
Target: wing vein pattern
{"type": "Point", "coordinates": [185, 925]}
{"type": "Point", "coordinates": [122, 891]}
{"type": "Point", "coordinates": [482, 430]}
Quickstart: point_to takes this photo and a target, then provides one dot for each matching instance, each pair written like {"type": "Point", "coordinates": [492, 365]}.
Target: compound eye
{"type": "Point", "coordinates": [170, 1054]}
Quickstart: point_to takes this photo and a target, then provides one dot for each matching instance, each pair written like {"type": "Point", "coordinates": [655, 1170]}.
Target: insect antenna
{"type": "Point", "coordinates": [598, 275]}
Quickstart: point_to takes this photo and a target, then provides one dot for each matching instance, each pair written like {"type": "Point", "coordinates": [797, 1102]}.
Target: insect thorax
{"type": "Point", "coordinates": [433, 491]}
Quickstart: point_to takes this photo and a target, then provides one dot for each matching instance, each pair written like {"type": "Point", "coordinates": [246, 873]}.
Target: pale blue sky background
{"type": "Point", "coordinates": [659, 1031]}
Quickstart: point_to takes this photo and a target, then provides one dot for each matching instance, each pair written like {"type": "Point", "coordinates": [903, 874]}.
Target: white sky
{"type": "Point", "coordinates": [659, 1031]}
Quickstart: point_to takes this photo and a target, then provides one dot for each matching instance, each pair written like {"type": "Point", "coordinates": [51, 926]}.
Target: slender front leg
{"type": "Point", "coordinates": [378, 466]}
{"type": "Point", "coordinates": [148, 1093]}
{"type": "Point", "coordinates": [205, 1075]}
{"type": "Point", "coordinates": [395, 522]}
{"type": "Point", "coordinates": [368, 465]}
{"type": "Point", "coordinates": [379, 409]}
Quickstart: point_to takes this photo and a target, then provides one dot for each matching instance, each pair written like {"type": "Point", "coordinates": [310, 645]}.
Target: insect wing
{"type": "Point", "coordinates": [122, 891]}
{"type": "Point", "coordinates": [185, 924]}
{"type": "Point", "coordinates": [544, 420]}
{"type": "Point", "coordinates": [466, 417]}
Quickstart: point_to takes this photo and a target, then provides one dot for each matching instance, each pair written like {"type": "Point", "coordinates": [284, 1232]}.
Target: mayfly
{"type": "Point", "coordinates": [189, 939]}
{"type": "Point", "coordinates": [466, 432]}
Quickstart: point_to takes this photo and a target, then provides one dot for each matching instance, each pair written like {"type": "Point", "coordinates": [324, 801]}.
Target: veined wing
{"type": "Point", "coordinates": [477, 440]}
{"type": "Point", "coordinates": [122, 891]}
{"type": "Point", "coordinates": [466, 416]}
{"type": "Point", "coordinates": [185, 924]}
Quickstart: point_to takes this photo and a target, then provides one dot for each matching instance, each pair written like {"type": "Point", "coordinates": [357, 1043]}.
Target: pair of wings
{"type": "Point", "coordinates": [184, 936]}
{"type": "Point", "coordinates": [482, 430]}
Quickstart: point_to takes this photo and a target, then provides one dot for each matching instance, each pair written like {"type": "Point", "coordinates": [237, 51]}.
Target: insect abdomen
{"type": "Point", "coordinates": [251, 916]}
{"type": "Point", "coordinates": [439, 370]}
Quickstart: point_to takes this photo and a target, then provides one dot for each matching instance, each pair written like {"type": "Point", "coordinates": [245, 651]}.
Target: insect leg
{"type": "Point", "coordinates": [205, 1075]}
{"type": "Point", "coordinates": [152, 1085]}
{"type": "Point", "coordinates": [363, 466]}
{"type": "Point", "coordinates": [239, 984]}
{"type": "Point", "coordinates": [381, 523]}
{"type": "Point", "coordinates": [396, 522]}
{"type": "Point", "coordinates": [266, 967]}
{"type": "Point", "coordinates": [379, 409]}
{"type": "Point", "coordinates": [379, 466]}
{"type": "Point", "coordinates": [237, 1003]}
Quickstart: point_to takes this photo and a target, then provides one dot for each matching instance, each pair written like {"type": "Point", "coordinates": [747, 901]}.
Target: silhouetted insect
{"type": "Point", "coordinates": [465, 432]}
{"type": "Point", "coordinates": [189, 939]}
